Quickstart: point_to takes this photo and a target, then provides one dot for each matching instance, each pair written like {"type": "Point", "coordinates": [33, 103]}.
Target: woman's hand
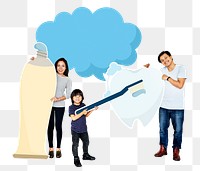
{"type": "Point", "coordinates": [54, 99]}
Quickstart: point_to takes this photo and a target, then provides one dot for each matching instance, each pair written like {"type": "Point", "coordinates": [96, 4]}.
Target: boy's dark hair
{"type": "Point", "coordinates": [162, 53]}
{"type": "Point", "coordinates": [66, 64]}
{"type": "Point", "coordinates": [75, 93]}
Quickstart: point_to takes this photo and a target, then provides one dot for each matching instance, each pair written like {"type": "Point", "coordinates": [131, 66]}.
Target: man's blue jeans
{"type": "Point", "coordinates": [177, 118]}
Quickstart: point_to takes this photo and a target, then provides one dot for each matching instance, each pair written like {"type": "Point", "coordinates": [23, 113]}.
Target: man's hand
{"type": "Point", "coordinates": [147, 65]}
{"type": "Point", "coordinates": [164, 77]}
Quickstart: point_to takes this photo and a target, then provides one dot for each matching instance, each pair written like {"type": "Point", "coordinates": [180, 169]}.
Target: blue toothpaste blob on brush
{"type": "Point", "coordinates": [139, 92]}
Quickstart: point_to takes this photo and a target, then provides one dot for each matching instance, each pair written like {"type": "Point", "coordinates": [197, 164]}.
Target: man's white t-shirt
{"type": "Point", "coordinates": [173, 97]}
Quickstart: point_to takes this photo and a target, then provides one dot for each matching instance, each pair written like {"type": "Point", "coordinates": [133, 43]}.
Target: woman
{"type": "Point", "coordinates": [64, 83]}
{"type": "Point", "coordinates": [58, 109]}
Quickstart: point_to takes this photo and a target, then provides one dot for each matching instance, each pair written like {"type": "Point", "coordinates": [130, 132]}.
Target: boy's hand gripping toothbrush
{"type": "Point", "coordinates": [135, 88]}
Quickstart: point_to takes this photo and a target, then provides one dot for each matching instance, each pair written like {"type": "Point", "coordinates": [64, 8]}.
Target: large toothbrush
{"type": "Point", "coordinates": [135, 88]}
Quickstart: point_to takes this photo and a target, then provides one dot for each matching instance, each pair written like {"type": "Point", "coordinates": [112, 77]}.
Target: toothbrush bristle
{"type": "Point", "coordinates": [136, 88]}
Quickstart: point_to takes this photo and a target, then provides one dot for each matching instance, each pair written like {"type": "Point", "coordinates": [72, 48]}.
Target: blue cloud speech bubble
{"type": "Point", "coordinates": [90, 41]}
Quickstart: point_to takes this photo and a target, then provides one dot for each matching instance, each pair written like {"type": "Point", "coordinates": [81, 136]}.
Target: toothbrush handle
{"type": "Point", "coordinates": [98, 103]}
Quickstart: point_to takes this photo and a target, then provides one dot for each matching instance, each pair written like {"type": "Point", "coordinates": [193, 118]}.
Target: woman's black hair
{"type": "Point", "coordinates": [75, 93]}
{"type": "Point", "coordinates": [66, 64]}
{"type": "Point", "coordinates": [162, 53]}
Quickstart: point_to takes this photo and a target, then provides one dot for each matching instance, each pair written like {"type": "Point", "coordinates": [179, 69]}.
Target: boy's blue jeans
{"type": "Point", "coordinates": [177, 118]}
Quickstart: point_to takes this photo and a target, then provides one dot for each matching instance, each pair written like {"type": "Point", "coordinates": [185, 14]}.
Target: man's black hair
{"type": "Point", "coordinates": [162, 53]}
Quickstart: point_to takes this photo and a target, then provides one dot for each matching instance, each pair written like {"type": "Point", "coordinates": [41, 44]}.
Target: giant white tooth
{"type": "Point", "coordinates": [143, 106]}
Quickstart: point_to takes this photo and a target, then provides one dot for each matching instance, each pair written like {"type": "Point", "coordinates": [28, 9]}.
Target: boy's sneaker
{"type": "Point", "coordinates": [77, 162]}
{"type": "Point", "coordinates": [86, 156]}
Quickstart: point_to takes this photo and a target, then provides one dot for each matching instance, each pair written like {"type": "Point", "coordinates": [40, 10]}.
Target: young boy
{"type": "Point", "coordinates": [79, 127]}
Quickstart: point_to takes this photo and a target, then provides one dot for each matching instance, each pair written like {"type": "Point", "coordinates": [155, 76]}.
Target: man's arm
{"type": "Point", "coordinates": [176, 83]}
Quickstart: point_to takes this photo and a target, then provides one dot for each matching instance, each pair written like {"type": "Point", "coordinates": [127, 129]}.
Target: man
{"type": "Point", "coordinates": [172, 106]}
